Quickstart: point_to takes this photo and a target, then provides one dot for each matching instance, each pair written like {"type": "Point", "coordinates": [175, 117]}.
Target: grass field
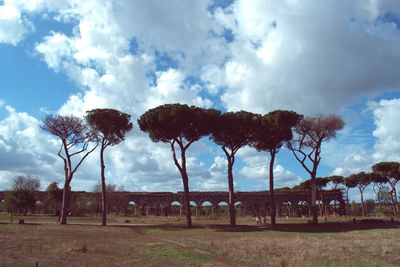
{"type": "Point", "coordinates": [208, 244]}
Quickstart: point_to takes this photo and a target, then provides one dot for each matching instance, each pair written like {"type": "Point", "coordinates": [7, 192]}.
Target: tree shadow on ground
{"type": "Point", "coordinates": [324, 227]}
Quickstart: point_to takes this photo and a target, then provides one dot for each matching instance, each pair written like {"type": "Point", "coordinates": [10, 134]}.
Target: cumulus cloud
{"type": "Point", "coordinates": [24, 150]}
{"type": "Point", "coordinates": [386, 117]}
{"type": "Point", "coordinates": [216, 179]}
{"type": "Point", "coordinates": [13, 26]}
{"type": "Point", "coordinates": [171, 88]}
{"type": "Point", "coordinates": [307, 56]}
{"type": "Point", "coordinates": [256, 169]}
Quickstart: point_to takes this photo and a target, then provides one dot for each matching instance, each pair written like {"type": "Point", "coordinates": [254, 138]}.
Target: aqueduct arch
{"type": "Point", "coordinates": [252, 203]}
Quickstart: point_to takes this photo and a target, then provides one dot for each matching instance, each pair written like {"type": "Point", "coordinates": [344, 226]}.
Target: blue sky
{"type": "Point", "coordinates": [66, 57]}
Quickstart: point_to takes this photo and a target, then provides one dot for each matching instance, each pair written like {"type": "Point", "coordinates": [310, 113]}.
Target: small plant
{"type": "Point", "coordinates": [81, 247]}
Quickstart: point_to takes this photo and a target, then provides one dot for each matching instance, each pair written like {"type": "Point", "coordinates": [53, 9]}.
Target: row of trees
{"type": "Point", "coordinates": [383, 173]}
{"type": "Point", "coordinates": [23, 197]}
{"type": "Point", "coordinates": [181, 125]}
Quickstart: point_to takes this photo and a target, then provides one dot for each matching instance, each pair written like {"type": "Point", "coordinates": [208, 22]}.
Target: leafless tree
{"type": "Point", "coordinates": [75, 138]}
{"type": "Point", "coordinates": [309, 135]}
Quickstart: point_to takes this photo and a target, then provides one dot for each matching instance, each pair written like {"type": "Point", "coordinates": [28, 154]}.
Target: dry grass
{"type": "Point", "coordinates": [374, 247]}
{"type": "Point", "coordinates": [53, 245]}
{"type": "Point", "coordinates": [208, 245]}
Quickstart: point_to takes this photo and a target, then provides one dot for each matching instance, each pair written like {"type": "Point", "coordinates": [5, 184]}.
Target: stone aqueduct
{"type": "Point", "coordinates": [252, 203]}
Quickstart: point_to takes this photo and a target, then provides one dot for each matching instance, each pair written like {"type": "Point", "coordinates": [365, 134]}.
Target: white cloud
{"type": "Point", "coordinates": [171, 88]}
{"type": "Point", "coordinates": [216, 178]}
{"type": "Point", "coordinates": [182, 29]}
{"type": "Point", "coordinates": [256, 168]}
{"type": "Point", "coordinates": [306, 56]}
{"type": "Point", "coordinates": [13, 27]}
{"type": "Point", "coordinates": [24, 150]}
{"type": "Point", "coordinates": [386, 117]}
{"type": "Point", "coordinates": [55, 48]}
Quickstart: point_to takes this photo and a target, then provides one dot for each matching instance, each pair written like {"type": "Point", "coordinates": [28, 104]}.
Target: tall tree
{"type": "Point", "coordinates": [109, 127]}
{"type": "Point", "coordinates": [233, 130]}
{"type": "Point", "coordinates": [310, 133]}
{"type": "Point", "coordinates": [360, 180]}
{"type": "Point", "coordinates": [391, 172]}
{"type": "Point", "coordinates": [272, 131]}
{"type": "Point", "coordinates": [179, 126]}
{"type": "Point", "coordinates": [75, 138]}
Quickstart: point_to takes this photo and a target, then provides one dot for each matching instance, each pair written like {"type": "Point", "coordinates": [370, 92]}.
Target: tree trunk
{"type": "Point", "coordinates": [185, 180]}
{"type": "Point", "coordinates": [64, 206]}
{"type": "Point", "coordinates": [103, 189]}
{"type": "Point", "coordinates": [271, 188]}
{"type": "Point", "coordinates": [232, 215]}
{"type": "Point", "coordinates": [396, 205]}
{"type": "Point", "coordinates": [393, 194]}
{"type": "Point", "coordinates": [314, 209]}
{"type": "Point", "coordinates": [362, 203]}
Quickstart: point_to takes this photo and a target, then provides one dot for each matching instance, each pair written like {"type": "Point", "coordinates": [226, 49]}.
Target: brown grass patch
{"type": "Point", "coordinates": [209, 245]}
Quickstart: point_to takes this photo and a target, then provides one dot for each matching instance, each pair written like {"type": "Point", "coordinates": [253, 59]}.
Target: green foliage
{"type": "Point", "coordinates": [109, 125]}
{"type": "Point", "coordinates": [234, 129]}
{"type": "Point", "coordinates": [360, 180]}
{"type": "Point", "coordinates": [20, 201]}
{"type": "Point", "coordinates": [335, 180]}
{"type": "Point", "coordinates": [387, 168]}
{"type": "Point", "coordinates": [283, 189]}
{"type": "Point", "coordinates": [22, 197]}
{"type": "Point", "coordinates": [388, 172]}
{"type": "Point", "coordinates": [53, 197]}
{"type": "Point", "coordinates": [320, 182]}
{"type": "Point", "coordinates": [53, 192]}
{"type": "Point", "coordinates": [274, 129]}
{"type": "Point", "coordinates": [171, 122]}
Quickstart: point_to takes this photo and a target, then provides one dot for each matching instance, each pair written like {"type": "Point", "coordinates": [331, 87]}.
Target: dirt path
{"type": "Point", "coordinates": [220, 260]}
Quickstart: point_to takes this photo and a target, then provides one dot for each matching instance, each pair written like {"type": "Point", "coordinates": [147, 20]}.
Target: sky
{"type": "Point", "coordinates": [312, 57]}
